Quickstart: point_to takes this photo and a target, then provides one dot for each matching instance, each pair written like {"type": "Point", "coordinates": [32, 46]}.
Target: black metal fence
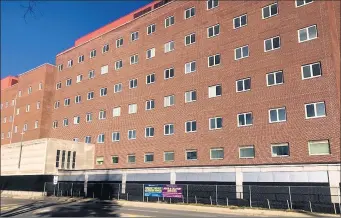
{"type": "Point", "coordinates": [307, 198]}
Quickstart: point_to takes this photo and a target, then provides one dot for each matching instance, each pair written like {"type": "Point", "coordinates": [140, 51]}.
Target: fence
{"type": "Point", "coordinates": [307, 198]}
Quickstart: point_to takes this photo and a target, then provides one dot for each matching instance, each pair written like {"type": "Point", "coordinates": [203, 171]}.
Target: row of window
{"type": "Point", "coordinates": [239, 21]}
{"type": "Point", "coordinates": [277, 150]}
{"type": "Point", "coordinates": [65, 161]}
{"type": "Point", "coordinates": [17, 112]}
{"type": "Point", "coordinates": [15, 129]}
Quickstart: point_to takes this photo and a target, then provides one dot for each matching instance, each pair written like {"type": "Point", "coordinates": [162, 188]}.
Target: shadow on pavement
{"type": "Point", "coordinates": [27, 208]}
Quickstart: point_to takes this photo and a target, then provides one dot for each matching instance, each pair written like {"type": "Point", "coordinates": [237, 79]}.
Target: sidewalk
{"type": "Point", "coordinates": [224, 210]}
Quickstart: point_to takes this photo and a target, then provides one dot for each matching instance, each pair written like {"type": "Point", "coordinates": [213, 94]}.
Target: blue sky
{"type": "Point", "coordinates": [25, 45]}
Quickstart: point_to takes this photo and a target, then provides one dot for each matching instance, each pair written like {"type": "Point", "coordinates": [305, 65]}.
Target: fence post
{"type": "Point", "coordinates": [311, 209]}
{"type": "Point", "coordinates": [170, 200]}
{"type": "Point", "coordinates": [71, 189]}
{"type": "Point", "coordinates": [44, 189]}
{"type": "Point", "coordinates": [187, 194]}
{"type": "Point", "coordinates": [54, 191]}
{"type": "Point", "coordinates": [118, 193]}
{"type": "Point", "coordinates": [127, 196]}
{"type": "Point", "coordinates": [143, 193]}
{"type": "Point", "coordinates": [288, 205]}
{"type": "Point", "coordinates": [290, 198]}
{"type": "Point", "coordinates": [216, 194]}
{"type": "Point", "coordinates": [58, 189]}
{"type": "Point", "coordinates": [268, 203]}
{"type": "Point", "coordinates": [196, 202]}
{"type": "Point", "coordinates": [227, 201]}
{"type": "Point", "coordinates": [250, 196]}
{"type": "Point", "coordinates": [334, 208]}
{"type": "Point", "coordinates": [211, 199]}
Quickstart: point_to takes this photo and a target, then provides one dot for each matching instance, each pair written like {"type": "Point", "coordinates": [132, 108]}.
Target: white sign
{"type": "Point", "coordinates": [55, 180]}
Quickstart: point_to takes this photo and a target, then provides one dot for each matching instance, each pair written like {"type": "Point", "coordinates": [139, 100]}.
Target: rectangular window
{"type": "Point", "coordinates": [214, 60]}
{"type": "Point", "coordinates": [58, 85]}
{"type": "Point", "coordinates": [190, 39]}
{"type": "Point", "coordinates": [73, 160]}
{"type": "Point", "coordinates": [104, 69]}
{"type": "Point", "coordinates": [103, 92]}
{"type": "Point", "coordinates": [18, 109]}
{"type": "Point", "coordinates": [240, 21]}
{"type": "Point", "coordinates": [15, 129]}
{"type": "Point", "coordinates": [245, 119]}
{"type": "Point", "coordinates": [191, 126]}
{"type": "Point", "coordinates": [150, 104]}
{"type": "Point", "coordinates": [215, 123]}
{"type": "Point", "coordinates": [60, 67]}
{"type": "Point", "coordinates": [311, 70]}
{"type": "Point", "coordinates": [168, 129]}
{"type": "Point", "coordinates": [241, 52]}
{"type": "Point", "coordinates": [151, 29]}
{"type": "Point", "coordinates": [134, 36]}
{"type": "Point", "coordinates": [277, 115]}
{"type": "Point", "coordinates": [29, 90]}
{"type": "Point", "coordinates": [131, 134]}
{"type": "Point", "coordinates": [169, 100]}
{"type": "Point", "coordinates": [169, 46]}
{"type": "Point", "coordinates": [150, 53]}
{"type": "Point", "coordinates": [65, 122]}
{"type": "Point", "coordinates": [243, 85]}
{"type": "Point", "coordinates": [119, 42]}
{"type": "Point", "coordinates": [38, 105]}
{"type": "Point", "coordinates": [57, 158]}
{"type": "Point", "coordinates": [115, 136]}
{"type": "Point", "coordinates": [79, 78]}
{"type": "Point", "coordinates": [307, 33]}
{"type": "Point", "coordinates": [270, 11]}
{"type": "Point", "coordinates": [274, 78]}
{"type": "Point", "coordinates": [149, 132]}
{"type": "Point", "coordinates": [315, 110]}
{"type": "Point", "coordinates": [116, 112]}
{"type": "Point", "coordinates": [272, 43]}
{"type": "Point", "coordinates": [150, 78]}
{"type": "Point", "coordinates": [26, 127]}
{"type": "Point", "coordinates": [88, 117]}
{"type": "Point", "coordinates": [168, 156]}
{"type": "Point", "coordinates": [134, 59]}
{"type": "Point", "coordinates": [131, 158]}
{"type": "Point", "coordinates": [247, 152]}
{"type": "Point", "coordinates": [63, 159]}
{"type": "Point", "coordinates": [91, 74]}
{"type": "Point", "coordinates": [118, 64]}
{"type": "Point", "coordinates": [105, 48]}
{"type": "Point", "coordinates": [190, 12]}
{"type": "Point", "coordinates": [300, 3]}
{"type": "Point", "coordinates": [169, 21]}
{"type": "Point", "coordinates": [213, 31]}
{"type": "Point", "coordinates": [100, 138]}
{"type": "Point", "coordinates": [67, 101]}
{"type": "Point", "coordinates": [68, 160]}
{"type": "Point", "coordinates": [102, 115]}
{"type": "Point", "coordinates": [149, 157]}
{"type": "Point", "coordinates": [87, 139]}
{"type": "Point", "coordinates": [75, 139]}
{"type": "Point", "coordinates": [78, 99]}
{"type": "Point", "coordinates": [118, 88]}
{"type": "Point", "coordinates": [114, 159]}
{"type": "Point", "coordinates": [191, 155]}
{"type": "Point", "coordinates": [28, 108]}
{"type": "Point", "coordinates": [36, 124]}
{"type": "Point", "coordinates": [90, 95]}
{"type": "Point", "coordinates": [76, 119]}
{"type": "Point", "coordinates": [68, 82]}
{"type": "Point", "coordinates": [132, 83]}
{"type": "Point", "coordinates": [19, 93]}
{"type": "Point", "coordinates": [54, 124]}
{"type": "Point", "coordinates": [99, 160]}
{"type": "Point", "coordinates": [93, 53]}
{"type": "Point", "coordinates": [190, 67]}
{"type": "Point", "coordinates": [319, 147]}
{"type": "Point", "coordinates": [69, 63]}
{"type": "Point", "coordinates": [280, 150]}
{"type": "Point", "coordinates": [40, 86]}
{"type": "Point", "coordinates": [132, 109]}
{"type": "Point", "coordinates": [214, 91]}
{"type": "Point", "coordinates": [190, 96]}
{"type": "Point", "coordinates": [80, 59]}
{"type": "Point", "coordinates": [169, 73]}
{"type": "Point", "coordinates": [217, 153]}
{"type": "Point", "coordinates": [212, 4]}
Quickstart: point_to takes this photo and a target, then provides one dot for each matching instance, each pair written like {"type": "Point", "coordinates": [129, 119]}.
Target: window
{"type": "Point", "coordinates": [169, 46]}
{"type": "Point", "coordinates": [214, 91]}
{"type": "Point", "coordinates": [241, 52]}
{"type": "Point", "coordinates": [190, 67]}
{"type": "Point", "coordinates": [54, 124]}
{"type": "Point", "coordinates": [149, 132]}
{"type": "Point", "coordinates": [274, 78]}
{"type": "Point", "coordinates": [149, 157]}
{"type": "Point", "coordinates": [190, 96]}
{"type": "Point", "coordinates": [29, 91]}
{"type": "Point", "coordinates": [80, 59]}
{"type": "Point", "coordinates": [168, 129]}
{"type": "Point", "coordinates": [150, 53]}
{"type": "Point", "coordinates": [13, 102]}
{"type": "Point", "coordinates": [69, 155]}
{"type": "Point", "coordinates": [58, 85]}
{"type": "Point", "coordinates": [169, 21]}
{"type": "Point", "coordinates": [100, 138]}
{"type": "Point", "coordinates": [151, 28]}
{"type": "Point", "coordinates": [114, 159]}
{"type": "Point", "coordinates": [105, 48]}
{"type": "Point", "coordinates": [277, 115]}
{"type": "Point", "coordinates": [214, 60]}
{"type": "Point", "coordinates": [131, 158]}
{"type": "Point", "coordinates": [56, 105]}
{"type": "Point", "coordinates": [40, 86]}
{"type": "Point", "coordinates": [169, 73]}
{"type": "Point", "coordinates": [215, 123]}
{"type": "Point", "coordinates": [190, 39]}
{"type": "Point", "coordinates": [79, 78]}
{"type": "Point", "coordinates": [103, 92]}
{"type": "Point", "coordinates": [28, 108]}
{"type": "Point", "coordinates": [26, 127]}
{"type": "Point", "coordinates": [60, 67]}
{"type": "Point", "coordinates": [87, 139]}
{"type": "Point", "coordinates": [270, 11]}
{"type": "Point", "coordinates": [134, 59]}
{"type": "Point", "coordinates": [88, 117]}
{"type": "Point", "coordinates": [272, 44]}
{"type": "Point", "coordinates": [247, 152]}
{"type": "Point", "coordinates": [132, 109]}
{"type": "Point", "coordinates": [9, 134]}
{"type": "Point", "coordinates": [19, 93]}
{"type": "Point", "coordinates": [66, 101]}
{"type": "Point", "coordinates": [190, 12]}
{"type": "Point", "coordinates": [38, 105]}
{"type": "Point", "coordinates": [169, 100]}
{"type": "Point", "coordinates": [118, 64]}
{"type": "Point", "coordinates": [57, 158]}
{"type": "Point", "coordinates": [133, 83]}
{"type": "Point", "coordinates": [15, 129]}
{"type": "Point", "coordinates": [115, 136]}
{"type": "Point", "coordinates": [212, 4]}
{"type": "Point", "coordinates": [307, 33]}
{"type": "Point", "coordinates": [311, 70]}
{"type": "Point", "coordinates": [63, 159]}
{"type": "Point", "coordinates": [118, 87]}
{"type": "Point", "coordinates": [93, 53]}
{"type": "Point", "coordinates": [104, 69]}
{"type": "Point", "coordinates": [102, 115]}
{"type": "Point", "coordinates": [10, 119]}
{"type": "Point", "coordinates": [240, 21]}
{"type": "Point", "coordinates": [280, 150]}
{"type": "Point", "coordinates": [119, 42]}
{"type": "Point", "coordinates": [243, 85]}
{"type": "Point", "coordinates": [116, 112]}
{"type": "Point", "coordinates": [18, 111]}
{"type": "Point", "coordinates": [150, 104]}
{"type": "Point", "coordinates": [213, 31]}
{"type": "Point", "coordinates": [131, 134]}
{"type": "Point", "coordinates": [191, 155]}
{"type": "Point", "coordinates": [150, 78]}
{"type": "Point", "coordinates": [168, 156]}
{"type": "Point", "coordinates": [245, 119]}
{"type": "Point", "coordinates": [191, 126]}
{"type": "Point", "coordinates": [91, 74]}
{"type": "Point", "coordinates": [217, 153]}
{"type": "Point", "coordinates": [76, 119]}
{"type": "Point", "coordinates": [90, 95]}
{"type": "Point", "coordinates": [5, 119]}
{"type": "Point", "coordinates": [300, 3]}
{"type": "Point", "coordinates": [319, 147]}
{"type": "Point", "coordinates": [99, 160]}
{"type": "Point", "coordinates": [65, 122]}
{"type": "Point", "coordinates": [315, 110]}
{"type": "Point", "coordinates": [73, 160]}
{"type": "Point", "coordinates": [69, 63]}
{"type": "Point", "coordinates": [134, 36]}
{"type": "Point", "coordinates": [68, 82]}
{"type": "Point", "coordinates": [78, 99]}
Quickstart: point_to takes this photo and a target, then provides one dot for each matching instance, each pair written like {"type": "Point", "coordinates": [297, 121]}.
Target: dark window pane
{"type": "Point", "coordinates": [241, 119]}
{"type": "Point", "coordinates": [243, 20]}
{"type": "Point", "coordinates": [217, 59]}
{"type": "Point", "coordinates": [245, 51]}
{"type": "Point", "coordinates": [188, 126]}
{"type": "Point", "coordinates": [276, 42]}
{"type": "Point", "coordinates": [266, 12]}
{"type": "Point", "coordinates": [218, 90]}
{"type": "Point", "coordinates": [320, 109]}
{"type": "Point", "coordinates": [274, 9]}
{"type": "Point", "coordinates": [316, 69]}
{"type": "Point", "coordinates": [310, 110]}
{"type": "Point", "coordinates": [193, 38]}
{"type": "Point", "coordinates": [212, 123]}
{"type": "Point", "coordinates": [194, 126]}
{"type": "Point", "coordinates": [247, 84]}
{"type": "Point", "coordinates": [271, 79]}
{"type": "Point", "coordinates": [306, 71]}
{"type": "Point", "coordinates": [219, 122]}
{"type": "Point", "coordinates": [217, 29]}
{"type": "Point", "coordinates": [210, 32]}
{"type": "Point", "coordinates": [211, 61]}
{"type": "Point", "coordinates": [268, 45]}
{"type": "Point", "coordinates": [282, 114]}
{"type": "Point", "coordinates": [248, 118]}
{"type": "Point", "coordinates": [194, 96]}
{"type": "Point", "coordinates": [193, 66]}
{"type": "Point", "coordinates": [279, 77]}
{"type": "Point", "coordinates": [240, 85]}
{"type": "Point", "coordinates": [236, 22]}
{"type": "Point", "coordinates": [273, 115]}
{"type": "Point", "coordinates": [300, 2]}
{"type": "Point", "coordinates": [312, 32]}
{"type": "Point", "coordinates": [238, 53]}
{"type": "Point", "coordinates": [303, 35]}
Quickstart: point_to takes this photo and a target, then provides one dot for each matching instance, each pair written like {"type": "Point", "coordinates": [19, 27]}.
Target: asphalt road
{"type": "Point", "coordinates": [52, 207]}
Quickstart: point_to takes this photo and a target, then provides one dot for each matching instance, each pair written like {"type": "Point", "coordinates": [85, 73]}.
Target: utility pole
{"type": "Point", "coordinates": [22, 136]}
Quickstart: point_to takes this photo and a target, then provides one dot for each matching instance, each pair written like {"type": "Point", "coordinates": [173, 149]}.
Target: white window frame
{"type": "Point", "coordinates": [215, 123]}
{"type": "Point", "coordinates": [304, 3]}
{"type": "Point", "coordinates": [167, 101]}
{"type": "Point", "coordinates": [150, 76]}
{"type": "Point", "coordinates": [152, 53]}
{"type": "Point", "coordinates": [114, 156]}
{"type": "Point", "coordinates": [78, 99]}
{"type": "Point", "coordinates": [244, 114]}
{"type": "Point", "coordinates": [91, 74]}
{"type": "Point", "coordinates": [167, 152]}
{"type": "Point", "coordinates": [315, 103]}
{"type": "Point", "coordinates": [132, 84]}
{"type": "Point", "coordinates": [119, 42]}
{"type": "Point", "coordinates": [134, 36]}
{"type": "Point", "coordinates": [101, 138]}
{"type": "Point", "coordinates": [207, 6]}
{"type": "Point", "coordinates": [36, 123]}
{"type": "Point", "coordinates": [190, 14]}
{"type": "Point", "coordinates": [92, 95]}
{"type": "Point", "coordinates": [87, 139]}
{"type": "Point", "coordinates": [117, 136]}
{"type": "Point", "coordinates": [190, 96]}
{"type": "Point", "coordinates": [54, 125]}
{"type": "Point", "coordinates": [149, 128]}
{"type": "Point", "coordinates": [244, 90]}
{"type": "Point", "coordinates": [306, 29]}
{"type": "Point", "coordinates": [132, 131]}
{"type": "Point", "coordinates": [99, 160]}
{"type": "Point", "coordinates": [134, 59]}
{"type": "Point", "coordinates": [240, 21]}
{"type": "Point", "coordinates": [191, 122]}
{"type": "Point", "coordinates": [168, 48]}
{"type": "Point", "coordinates": [272, 45]}
{"type": "Point", "coordinates": [60, 67]}
{"type": "Point", "coordinates": [213, 30]}
{"type": "Point", "coordinates": [116, 111]}
{"type": "Point", "coordinates": [58, 85]}
{"type": "Point", "coordinates": [88, 117]}
{"type": "Point", "coordinates": [169, 126]}
{"type": "Point", "coordinates": [28, 108]}
{"type": "Point", "coordinates": [68, 82]}
{"type": "Point", "coordinates": [279, 145]}
{"type": "Point", "coordinates": [214, 95]}
{"type": "Point", "coordinates": [150, 29]}
{"type": "Point", "coordinates": [132, 108]}
{"type": "Point", "coordinates": [270, 15]}
{"type": "Point", "coordinates": [318, 141]}
{"type": "Point", "coordinates": [241, 52]}
{"type": "Point", "coordinates": [149, 101]}
{"type": "Point", "coordinates": [118, 64]}
{"type": "Point", "coordinates": [275, 79]}
{"type": "Point", "coordinates": [65, 122]}
{"type": "Point", "coordinates": [102, 115]}
{"type": "Point", "coordinates": [79, 78]}
{"type": "Point", "coordinates": [103, 92]}
{"type": "Point", "coordinates": [191, 150]}
{"type": "Point", "coordinates": [80, 58]}
{"type": "Point", "coordinates": [216, 149]}
{"type": "Point", "coordinates": [169, 72]}
{"type": "Point", "coordinates": [118, 85]}
{"type": "Point", "coordinates": [277, 109]}
{"type": "Point", "coordinates": [69, 63]}
{"type": "Point", "coordinates": [104, 69]}
{"type": "Point", "coordinates": [105, 48]}
{"type": "Point", "coordinates": [243, 147]}
{"type": "Point", "coordinates": [76, 120]}
{"type": "Point", "coordinates": [214, 57]}
{"type": "Point", "coordinates": [169, 18]}
{"type": "Point", "coordinates": [38, 105]}
{"type": "Point", "coordinates": [311, 70]}
{"type": "Point", "coordinates": [190, 67]}
{"type": "Point", "coordinates": [67, 101]}
{"type": "Point", "coordinates": [190, 39]}
{"type": "Point", "coordinates": [93, 53]}
{"type": "Point", "coordinates": [56, 105]}
{"type": "Point", "coordinates": [131, 155]}
{"type": "Point", "coordinates": [145, 157]}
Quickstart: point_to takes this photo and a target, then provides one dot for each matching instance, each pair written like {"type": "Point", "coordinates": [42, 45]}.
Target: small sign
{"type": "Point", "coordinates": [169, 191]}
{"type": "Point", "coordinates": [55, 180]}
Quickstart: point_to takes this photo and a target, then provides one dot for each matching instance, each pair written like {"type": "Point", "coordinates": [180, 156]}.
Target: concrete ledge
{"type": "Point", "coordinates": [22, 194]}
